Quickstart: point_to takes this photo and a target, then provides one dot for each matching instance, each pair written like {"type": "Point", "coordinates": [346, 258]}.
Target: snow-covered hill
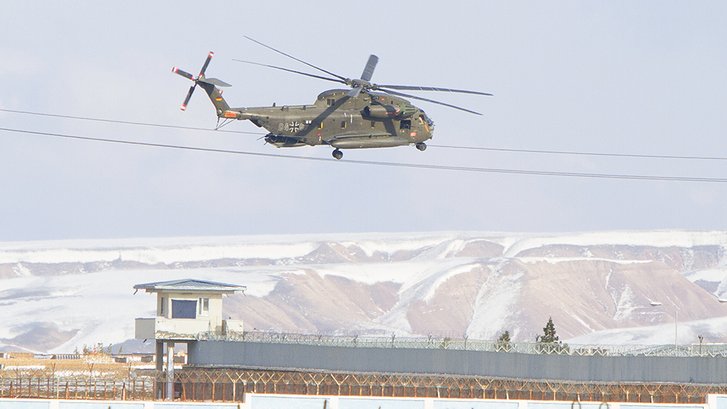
{"type": "Point", "coordinates": [61, 295]}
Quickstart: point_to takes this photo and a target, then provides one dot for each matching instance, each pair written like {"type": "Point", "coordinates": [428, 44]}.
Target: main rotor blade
{"type": "Point", "coordinates": [206, 63]}
{"type": "Point", "coordinates": [353, 93]}
{"type": "Point", "coordinates": [297, 59]}
{"type": "Point", "coordinates": [370, 67]}
{"type": "Point", "coordinates": [429, 100]}
{"type": "Point", "coordinates": [293, 71]}
{"type": "Point", "coordinates": [420, 88]}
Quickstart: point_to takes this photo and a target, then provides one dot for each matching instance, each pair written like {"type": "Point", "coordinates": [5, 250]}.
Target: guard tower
{"type": "Point", "coordinates": [187, 310]}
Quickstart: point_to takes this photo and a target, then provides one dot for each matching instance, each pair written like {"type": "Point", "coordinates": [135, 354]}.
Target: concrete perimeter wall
{"type": "Point", "coordinates": [254, 401]}
{"type": "Point", "coordinates": [704, 370]}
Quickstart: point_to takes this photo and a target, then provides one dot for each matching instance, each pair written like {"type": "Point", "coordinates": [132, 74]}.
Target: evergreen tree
{"type": "Point", "coordinates": [549, 342]}
{"type": "Point", "coordinates": [503, 342]}
{"type": "Point", "coordinates": [549, 335]}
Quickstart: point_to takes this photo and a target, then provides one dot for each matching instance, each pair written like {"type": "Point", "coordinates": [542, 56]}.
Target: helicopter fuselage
{"type": "Point", "coordinates": [368, 120]}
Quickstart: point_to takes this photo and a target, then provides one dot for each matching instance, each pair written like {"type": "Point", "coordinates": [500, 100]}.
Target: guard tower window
{"type": "Point", "coordinates": [331, 101]}
{"type": "Point", "coordinates": [373, 124]}
{"type": "Point", "coordinates": [343, 124]}
{"type": "Point", "coordinates": [405, 124]}
{"type": "Point", "coordinates": [204, 306]}
{"type": "Point", "coordinates": [184, 309]}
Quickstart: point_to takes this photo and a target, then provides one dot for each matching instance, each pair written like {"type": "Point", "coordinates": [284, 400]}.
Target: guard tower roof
{"type": "Point", "coordinates": [190, 285]}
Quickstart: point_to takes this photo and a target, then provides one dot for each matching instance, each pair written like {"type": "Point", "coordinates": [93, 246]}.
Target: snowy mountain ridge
{"type": "Point", "coordinates": [59, 295]}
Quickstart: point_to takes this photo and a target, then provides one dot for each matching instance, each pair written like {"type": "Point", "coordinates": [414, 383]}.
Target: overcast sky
{"type": "Point", "coordinates": [641, 77]}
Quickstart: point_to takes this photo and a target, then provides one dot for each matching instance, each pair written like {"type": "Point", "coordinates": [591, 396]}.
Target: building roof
{"type": "Point", "coordinates": [192, 285]}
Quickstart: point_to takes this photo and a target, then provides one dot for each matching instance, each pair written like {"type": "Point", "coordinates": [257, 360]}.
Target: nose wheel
{"type": "Point", "coordinates": [337, 154]}
{"type": "Point", "coordinates": [421, 146]}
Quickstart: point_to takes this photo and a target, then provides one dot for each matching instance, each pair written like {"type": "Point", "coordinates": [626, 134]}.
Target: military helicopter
{"type": "Point", "coordinates": [367, 115]}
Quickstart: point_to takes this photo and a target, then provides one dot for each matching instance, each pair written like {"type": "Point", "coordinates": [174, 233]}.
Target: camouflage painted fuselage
{"type": "Point", "coordinates": [369, 120]}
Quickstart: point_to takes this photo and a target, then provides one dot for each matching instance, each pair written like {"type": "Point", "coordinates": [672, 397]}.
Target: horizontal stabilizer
{"type": "Point", "coordinates": [216, 82]}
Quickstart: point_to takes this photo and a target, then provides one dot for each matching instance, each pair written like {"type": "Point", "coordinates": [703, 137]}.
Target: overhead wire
{"type": "Point", "coordinates": [116, 121]}
{"type": "Point", "coordinates": [478, 148]}
{"type": "Point", "coordinates": [581, 153]}
{"type": "Point", "coordinates": [382, 163]}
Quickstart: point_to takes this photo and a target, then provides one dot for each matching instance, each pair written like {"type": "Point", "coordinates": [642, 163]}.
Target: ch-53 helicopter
{"type": "Point", "coordinates": [359, 117]}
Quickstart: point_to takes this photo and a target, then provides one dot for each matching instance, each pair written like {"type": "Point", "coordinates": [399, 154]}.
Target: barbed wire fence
{"type": "Point", "coordinates": [466, 344]}
{"type": "Point", "coordinates": [91, 384]}
{"type": "Point", "coordinates": [231, 385]}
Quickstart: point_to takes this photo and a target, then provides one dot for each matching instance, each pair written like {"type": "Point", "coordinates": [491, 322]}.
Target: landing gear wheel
{"type": "Point", "coordinates": [337, 154]}
{"type": "Point", "coordinates": [421, 146]}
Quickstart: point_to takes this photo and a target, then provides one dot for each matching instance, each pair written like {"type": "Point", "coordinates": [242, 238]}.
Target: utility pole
{"type": "Point", "coordinates": [676, 321]}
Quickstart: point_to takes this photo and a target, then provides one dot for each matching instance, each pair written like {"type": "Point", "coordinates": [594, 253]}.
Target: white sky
{"type": "Point", "coordinates": [616, 76]}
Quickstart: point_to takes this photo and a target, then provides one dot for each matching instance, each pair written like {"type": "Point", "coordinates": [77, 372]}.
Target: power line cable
{"type": "Point", "coordinates": [390, 164]}
{"type": "Point", "coordinates": [579, 153]}
{"type": "Point", "coordinates": [480, 148]}
{"type": "Point", "coordinates": [116, 121]}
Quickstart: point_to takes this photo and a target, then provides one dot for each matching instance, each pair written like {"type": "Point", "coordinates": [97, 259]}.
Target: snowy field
{"type": "Point", "coordinates": [60, 295]}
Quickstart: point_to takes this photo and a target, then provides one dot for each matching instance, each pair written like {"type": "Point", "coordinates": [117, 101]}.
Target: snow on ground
{"type": "Point", "coordinates": [101, 305]}
{"type": "Point", "coordinates": [666, 238]}
{"type": "Point", "coordinates": [496, 304]}
{"type": "Point", "coordinates": [556, 260]}
{"type": "Point", "coordinates": [687, 333]}
{"type": "Point", "coordinates": [157, 253]}
{"type": "Point", "coordinates": [711, 274]}
{"type": "Point", "coordinates": [371, 273]}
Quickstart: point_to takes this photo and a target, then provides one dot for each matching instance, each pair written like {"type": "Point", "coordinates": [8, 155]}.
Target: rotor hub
{"type": "Point", "coordinates": [359, 83]}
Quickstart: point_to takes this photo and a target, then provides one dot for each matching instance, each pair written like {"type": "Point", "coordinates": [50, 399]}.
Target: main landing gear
{"type": "Point", "coordinates": [337, 154]}
{"type": "Point", "coordinates": [421, 146]}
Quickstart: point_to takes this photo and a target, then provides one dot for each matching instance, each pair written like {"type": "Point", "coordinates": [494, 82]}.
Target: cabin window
{"type": "Point", "coordinates": [373, 124]}
{"type": "Point", "coordinates": [320, 125]}
{"type": "Point", "coordinates": [343, 124]}
{"type": "Point", "coordinates": [184, 309]}
{"type": "Point", "coordinates": [204, 306]}
{"type": "Point", "coordinates": [331, 101]}
{"type": "Point", "coordinates": [405, 124]}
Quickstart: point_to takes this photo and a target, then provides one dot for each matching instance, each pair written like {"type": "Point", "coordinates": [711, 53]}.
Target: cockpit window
{"type": "Point", "coordinates": [426, 119]}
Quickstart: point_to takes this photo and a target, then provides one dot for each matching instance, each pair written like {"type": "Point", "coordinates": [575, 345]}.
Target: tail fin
{"type": "Point", "coordinates": [215, 94]}
{"type": "Point", "coordinates": [208, 84]}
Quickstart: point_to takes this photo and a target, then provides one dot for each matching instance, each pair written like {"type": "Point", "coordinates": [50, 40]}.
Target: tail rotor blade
{"type": "Point", "coordinates": [369, 69]}
{"type": "Point", "coordinates": [183, 73]}
{"type": "Point", "coordinates": [189, 95]}
{"type": "Point", "coordinates": [206, 63]}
